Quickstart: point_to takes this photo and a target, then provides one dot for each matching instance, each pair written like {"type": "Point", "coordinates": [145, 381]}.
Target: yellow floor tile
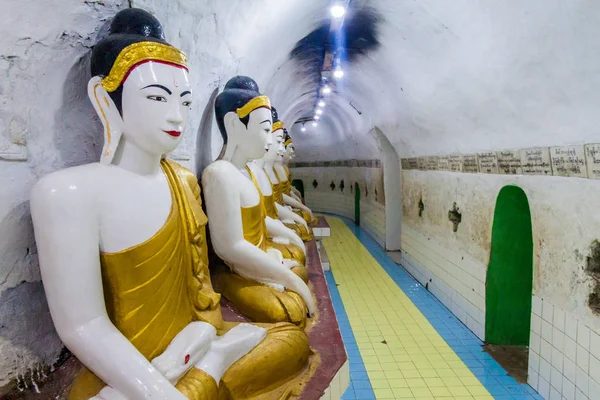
{"type": "Point", "coordinates": [384, 394]}
{"type": "Point", "coordinates": [434, 382]}
{"type": "Point", "coordinates": [440, 391]}
{"type": "Point", "coordinates": [404, 356]}
{"type": "Point", "coordinates": [397, 374]}
{"type": "Point", "coordinates": [416, 383]}
{"type": "Point", "coordinates": [398, 383]}
{"type": "Point", "coordinates": [376, 375]}
{"type": "Point", "coordinates": [428, 373]}
{"type": "Point", "coordinates": [477, 391]}
{"type": "Point", "coordinates": [459, 391]}
{"type": "Point", "coordinates": [411, 373]}
{"type": "Point", "coordinates": [403, 393]}
{"type": "Point", "coordinates": [380, 383]}
{"type": "Point", "coordinates": [470, 381]}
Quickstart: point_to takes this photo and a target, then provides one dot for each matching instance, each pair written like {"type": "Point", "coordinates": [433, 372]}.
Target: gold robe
{"type": "Point", "coordinates": [285, 188]}
{"type": "Point", "coordinates": [154, 289]}
{"type": "Point", "coordinates": [255, 230]}
{"type": "Point", "coordinates": [256, 301]}
{"type": "Point", "coordinates": [305, 233]}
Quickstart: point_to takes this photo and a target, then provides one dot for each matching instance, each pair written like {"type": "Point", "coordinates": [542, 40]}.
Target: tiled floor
{"type": "Point", "coordinates": [401, 341]}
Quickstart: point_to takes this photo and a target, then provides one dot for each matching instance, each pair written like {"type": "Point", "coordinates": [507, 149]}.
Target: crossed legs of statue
{"type": "Point", "coordinates": [276, 368]}
{"type": "Point", "coordinates": [261, 302]}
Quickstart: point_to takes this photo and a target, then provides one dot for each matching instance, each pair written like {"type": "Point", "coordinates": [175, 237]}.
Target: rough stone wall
{"type": "Point", "coordinates": [564, 220]}
{"type": "Point", "coordinates": [44, 119]}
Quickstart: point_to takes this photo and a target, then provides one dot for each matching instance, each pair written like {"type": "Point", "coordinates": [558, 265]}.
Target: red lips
{"type": "Point", "coordinates": [173, 133]}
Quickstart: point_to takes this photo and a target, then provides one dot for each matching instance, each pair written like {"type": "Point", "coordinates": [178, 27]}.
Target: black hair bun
{"type": "Point", "coordinates": [242, 82]}
{"type": "Point", "coordinates": [135, 21]}
{"type": "Point", "coordinates": [129, 26]}
{"type": "Point", "coordinates": [274, 114]}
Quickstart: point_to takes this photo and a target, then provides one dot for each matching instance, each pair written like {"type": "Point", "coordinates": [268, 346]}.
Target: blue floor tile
{"type": "Point", "coordinates": [464, 342]}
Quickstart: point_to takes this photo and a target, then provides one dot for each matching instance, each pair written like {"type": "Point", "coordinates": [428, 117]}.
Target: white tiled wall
{"type": "Point", "coordinates": [372, 220]}
{"type": "Point", "coordinates": [564, 357]}
{"type": "Point", "coordinates": [330, 202]}
{"type": "Point", "coordinates": [372, 216]}
{"type": "Point", "coordinates": [455, 279]}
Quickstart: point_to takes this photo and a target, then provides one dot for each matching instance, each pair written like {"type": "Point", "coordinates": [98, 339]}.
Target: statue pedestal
{"type": "Point", "coordinates": [321, 229]}
{"type": "Point", "coordinates": [332, 377]}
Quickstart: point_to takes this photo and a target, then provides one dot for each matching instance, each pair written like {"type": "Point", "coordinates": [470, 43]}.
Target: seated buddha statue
{"type": "Point", "coordinates": [123, 253]}
{"type": "Point", "coordinates": [268, 190]}
{"type": "Point", "coordinates": [282, 186]}
{"type": "Point", "coordinates": [289, 155]}
{"type": "Point", "coordinates": [259, 282]}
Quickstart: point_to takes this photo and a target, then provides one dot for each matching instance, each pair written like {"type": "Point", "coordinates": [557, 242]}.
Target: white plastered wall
{"type": "Point", "coordinates": [565, 333]}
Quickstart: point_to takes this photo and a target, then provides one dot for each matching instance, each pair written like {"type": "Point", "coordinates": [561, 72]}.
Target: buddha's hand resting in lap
{"type": "Point", "coordinates": [237, 342]}
{"type": "Point", "coordinates": [280, 240]}
{"type": "Point", "coordinates": [184, 351]}
{"type": "Point", "coordinates": [291, 263]}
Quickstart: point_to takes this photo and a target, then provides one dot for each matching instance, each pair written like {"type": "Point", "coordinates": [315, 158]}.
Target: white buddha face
{"type": "Point", "coordinates": [277, 150]}
{"type": "Point", "coordinates": [290, 153]}
{"type": "Point", "coordinates": [255, 139]}
{"type": "Point", "coordinates": [156, 105]}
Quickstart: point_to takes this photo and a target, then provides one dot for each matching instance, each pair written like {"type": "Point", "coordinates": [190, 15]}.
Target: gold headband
{"type": "Point", "coordinates": [288, 142]}
{"type": "Point", "coordinates": [277, 125]}
{"type": "Point", "coordinates": [255, 103]}
{"type": "Point", "coordinates": [137, 53]}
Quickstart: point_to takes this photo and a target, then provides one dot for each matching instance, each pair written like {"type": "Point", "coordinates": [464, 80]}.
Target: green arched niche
{"type": "Point", "coordinates": [299, 185]}
{"type": "Point", "coordinates": [356, 204]}
{"type": "Point", "coordinates": [509, 282]}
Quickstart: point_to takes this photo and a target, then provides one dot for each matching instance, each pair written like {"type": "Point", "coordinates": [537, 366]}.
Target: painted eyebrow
{"type": "Point", "coordinates": [186, 92]}
{"type": "Point", "coordinates": [160, 87]}
{"type": "Point", "coordinates": [266, 120]}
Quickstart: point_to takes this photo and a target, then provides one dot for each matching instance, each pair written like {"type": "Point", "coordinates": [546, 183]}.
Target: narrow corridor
{"type": "Point", "coordinates": [401, 341]}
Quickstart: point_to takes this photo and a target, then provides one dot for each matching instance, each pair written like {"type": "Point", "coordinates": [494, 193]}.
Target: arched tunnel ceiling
{"type": "Point", "coordinates": [459, 76]}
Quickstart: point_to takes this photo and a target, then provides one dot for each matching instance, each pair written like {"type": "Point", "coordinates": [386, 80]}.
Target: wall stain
{"type": "Point", "coordinates": [421, 206]}
{"type": "Point", "coordinates": [593, 270]}
{"type": "Point", "coordinates": [455, 217]}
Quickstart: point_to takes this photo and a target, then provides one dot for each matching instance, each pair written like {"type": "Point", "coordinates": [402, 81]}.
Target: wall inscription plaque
{"type": "Point", "coordinates": [470, 163]}
{"type": "Point", "coordinates": [488, 163]}
{"type": "Point", "coordinates": [536, 161]}
{"type": "Point", "coordinates": [413, 163]}
{"type": "Point", "coordinates": [443, 164]}
{"type": "Point", "coordinates": [509, 162]}
{"type": "Point", "coordinates": [568, 161]}
{"type": "Point", "coordinates": [404, 163]}
{"type": "Point", "coordinates": [455, 162]}
{"type": "Point", "coordinates": [432, 163]}
{"type": "Point", "coordinates": [422, 162]}
{"type": "Point", "coordinates": [592, 156]}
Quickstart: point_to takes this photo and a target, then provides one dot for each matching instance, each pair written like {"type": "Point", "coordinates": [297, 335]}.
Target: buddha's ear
{"type": "Point", "coordinates": [231, 122]}
{"type": "Point", "coordinates": [109, 115]}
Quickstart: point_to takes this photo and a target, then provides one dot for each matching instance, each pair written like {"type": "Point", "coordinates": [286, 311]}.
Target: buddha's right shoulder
{"type": "Point", "coordinates": [219, 169]}
{"type": "Point", "coordinates": [71, 182]}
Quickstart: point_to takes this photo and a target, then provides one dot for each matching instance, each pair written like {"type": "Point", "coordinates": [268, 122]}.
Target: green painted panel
{"type": "Point", "coordinates": [509, 282]}
{"type": "Point", "coordinates": [299, 185]}
{"type": "Point", "coordinates": [356, 204]}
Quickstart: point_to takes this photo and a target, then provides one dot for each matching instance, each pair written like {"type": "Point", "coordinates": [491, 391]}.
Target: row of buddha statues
{"type": "Point", "coordinates": [125, 253]}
